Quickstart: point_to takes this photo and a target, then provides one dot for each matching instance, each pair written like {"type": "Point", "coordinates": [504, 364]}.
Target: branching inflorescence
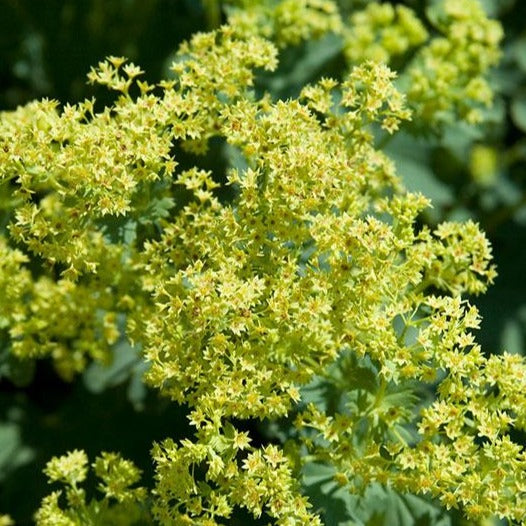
{"type": "Point", "coordinates": [316, 272]}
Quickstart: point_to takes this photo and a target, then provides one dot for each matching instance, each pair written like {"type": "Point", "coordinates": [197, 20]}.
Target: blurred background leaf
{"type": "Point", "coordinates": [374, 506]}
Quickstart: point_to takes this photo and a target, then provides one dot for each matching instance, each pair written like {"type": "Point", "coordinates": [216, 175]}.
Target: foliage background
{"type": "Point", "coordinates": [46, 49]}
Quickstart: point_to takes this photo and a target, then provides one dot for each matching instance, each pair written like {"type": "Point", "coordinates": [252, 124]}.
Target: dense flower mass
{"type": "Point", "coordinates": [304, 268]}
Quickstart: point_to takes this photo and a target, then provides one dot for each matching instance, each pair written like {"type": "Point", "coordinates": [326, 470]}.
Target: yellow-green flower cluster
{"type": "Point", "coordinates": [70, 322]}
{"type": "Point", "coordinates": [15, 282]}
{"type": "Point", "coordinates": [246, 286]}
{"type": "Point", "coordinates": [285, 22]}
{"type": "Point", "coordinates": [72, 169]}
{"type": "Point", "coordinates": [120, 505]}
{"type": "Point", "coordinates": [462, 453]}
{"type": "Point", "coordinates": [369, 95]}
{"type": "Point", "coordinates": [481, 468]}
{"type": "Point", "coordinates": [235, 475]}
{"type": "Point", "coordinates": [445, 78]}
{"type": "Point", "coordinates": [74, 172]}
{"type": "Point", "coordinates": [484, 165]}
{"type": "Point", "coordinates": [316, 271]}
{"type": "Point", "coordinates": [382, 31]}
{"type": "Point", "coordinates": [449, 73]}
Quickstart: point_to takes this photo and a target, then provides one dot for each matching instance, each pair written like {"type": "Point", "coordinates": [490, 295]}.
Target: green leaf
{"type": "Point", "coordinates": [494, 7]}
{"type": "Point", "coordinates": [518, 111]}
{"type": "Point", "coordinates": [301, 65]}
{"type": "Point", "coordinates": [332, 502]}
{"type": "Point", "coordinates": [126, 365]}
{"type": "Point", "coordinates": [412, 158]}
{"type": "Point", "coordinates": [129, 232]}
{"type": "Point", "coordinates": [13, 453]}
{"type": "Point", "coordinates": [159, 207]}
{"type": "Point", "coordinates": [376, 506]}
{"type": "Point", "coordinates": [513, 335]}
{"type": "Point", "coordinates": [19, 372]}
{"type": "Point", "coordinates": [390, 508]}
{"type": "Point", "coordinates": [519, 52]}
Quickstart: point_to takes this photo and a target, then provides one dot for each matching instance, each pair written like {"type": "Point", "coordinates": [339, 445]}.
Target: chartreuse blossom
{"type": "Point", "coordinates": [484, 165]}
{"type": "Point", "coordinates": [317, 271]}
{"type": "Point", "coordinates": [448, 75]}
{"type": "Point", "coordinates": [285, 22]}
{"type": "Point", "coordinates": [38, 316]}
{"type": "Point", "coordinates": [444, 67]}
{"type": "Point", "coordinates": [381, 32]}
{"type": "Point", "coordinates": [120, 505]}
{"type": "Point", "coordinates": [443, 61]}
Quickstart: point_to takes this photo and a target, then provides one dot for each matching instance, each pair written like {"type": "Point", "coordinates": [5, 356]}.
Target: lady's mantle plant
{"type": "Point", "coordinates": [306, 270]}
